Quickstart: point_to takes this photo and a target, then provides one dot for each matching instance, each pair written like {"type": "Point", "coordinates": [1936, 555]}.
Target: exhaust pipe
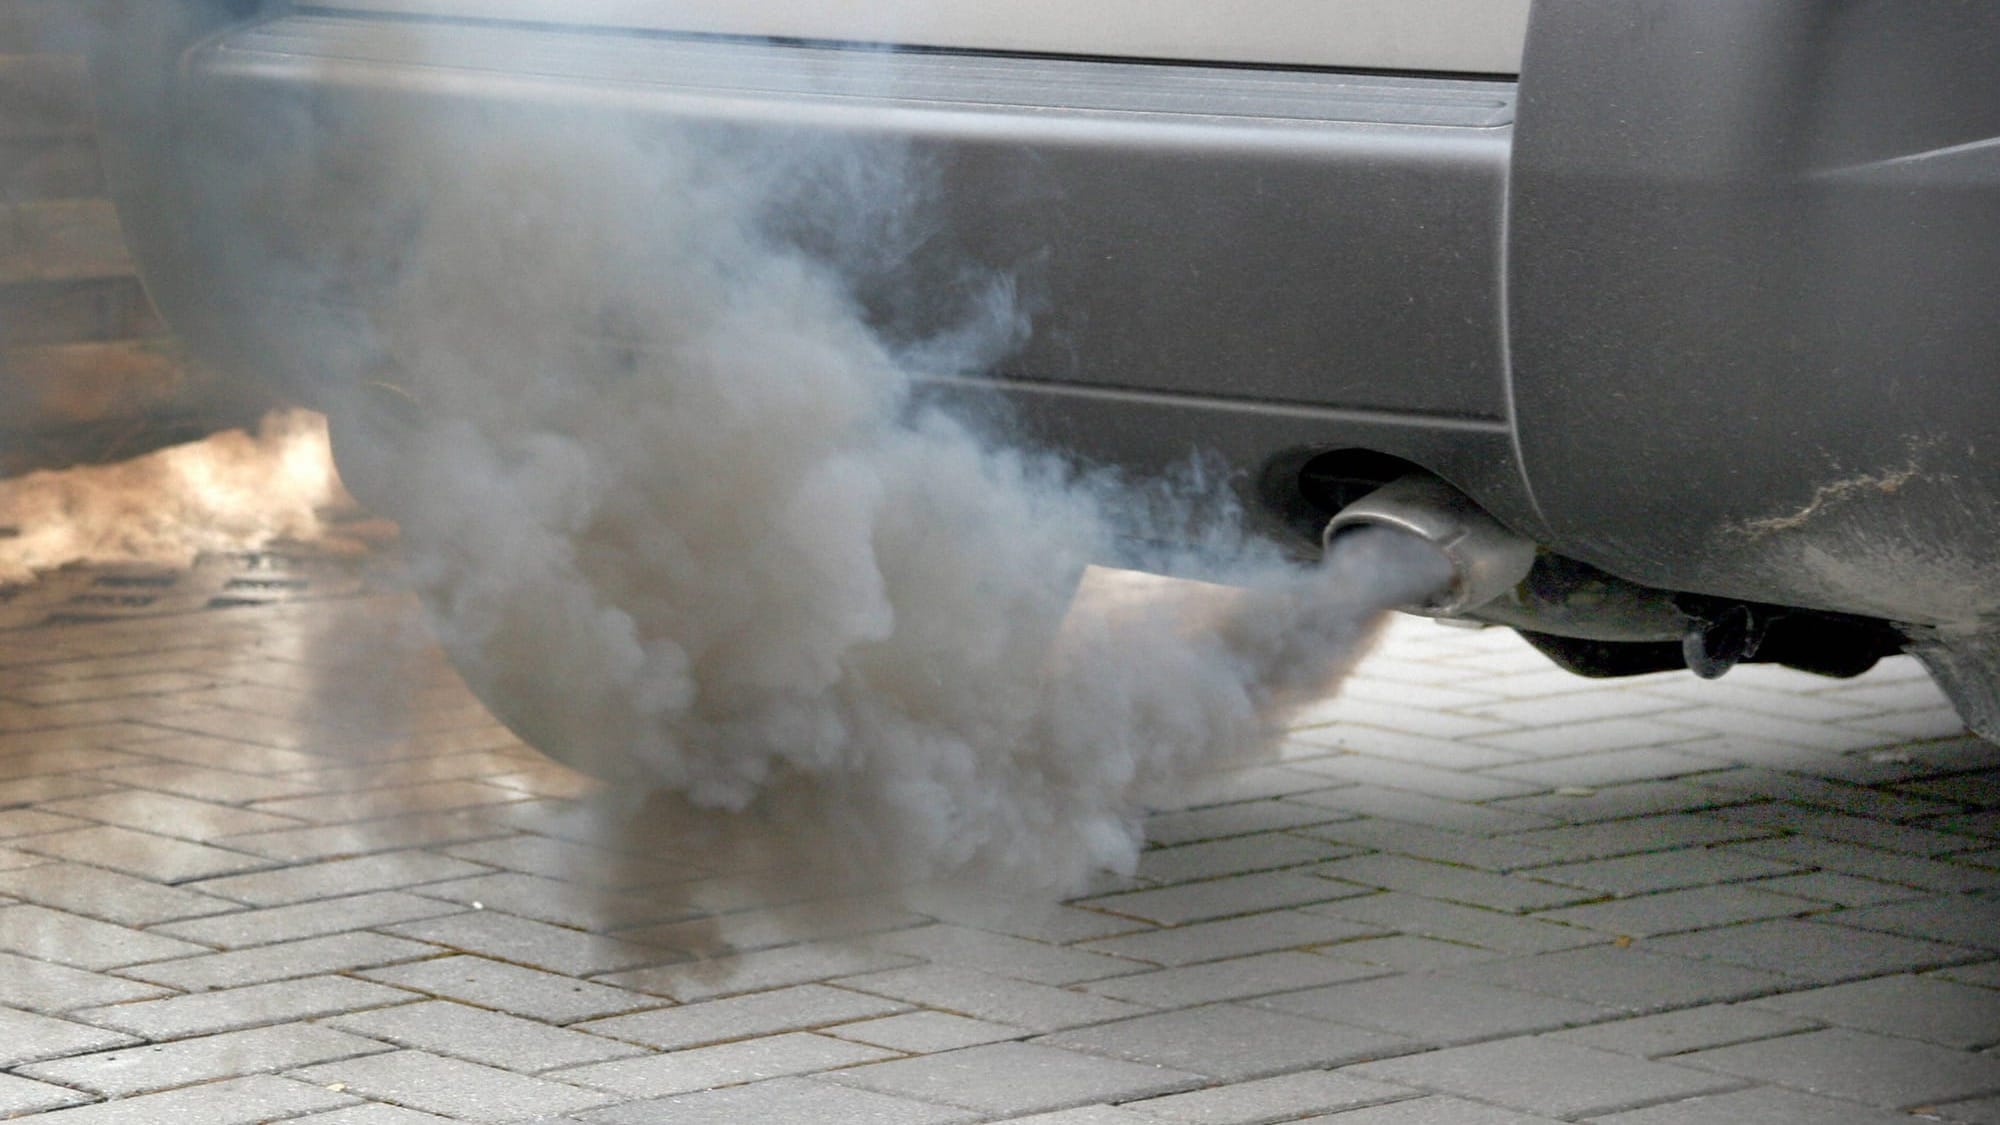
{"type": "Point", "coordinates": [1487, 560]}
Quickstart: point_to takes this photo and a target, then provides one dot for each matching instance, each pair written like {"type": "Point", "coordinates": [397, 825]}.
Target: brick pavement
{"type": "Point", "coordinates": [272, 863]}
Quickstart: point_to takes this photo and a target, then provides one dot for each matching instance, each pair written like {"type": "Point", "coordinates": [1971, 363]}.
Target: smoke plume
{"type": "Point", "coordinates": [685, 517]}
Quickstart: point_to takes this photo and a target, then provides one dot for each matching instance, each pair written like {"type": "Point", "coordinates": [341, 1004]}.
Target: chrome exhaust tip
{"type": "Point", "coordinates": [1487, 560]}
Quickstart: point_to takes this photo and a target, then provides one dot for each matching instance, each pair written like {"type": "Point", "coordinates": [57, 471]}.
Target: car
{"type": "Point", "coordinates": [1671, 322]}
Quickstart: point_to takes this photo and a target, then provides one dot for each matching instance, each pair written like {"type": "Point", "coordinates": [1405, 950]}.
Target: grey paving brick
{"type": "Point", "coordinates": [1641, 834]}
{"type": "Point", "coordinates": [369, 804]}
{"type": "Point", "coordinates": [1958, 919]}
{"type": "Point", "coordinates": [1812, 951]}
{"type": "Point", "coordinates": [781, 1100]}
{"type": "Point", "coordinates": [1036, 1007]}
{"type": "Point", "coordinates": [1423, 842]}
{"type": "Point", "coordinates": [184, 1062]}
{"type": "Point", "coordinates": [1666, 871]}
{"type": "Point", "coordinates": [249, 1100]}
{"type": "Point", "coordinates": [1433, 812]}
{"type": "Point", "coordinates": [1796, 789]}
{"type": "Point", "coordinates": [1546, 1076]}
{"type": "Point", "coordinates": [282, 961]}
{"type": "Point", "coordinates": [1985, 974]}
{"type": "Point", "coordinates": [1411, 954]}
{"type": "Point", "coordinates": [337, 841]}
{"type": "Point", "coordinates": [477, 1035]}
{"type": "Point", "coordinates": [160, 858]}
{"type": "Point", "coordinates": [1284, 1097]}
{"type": "Point", "coordinates": [229, 1009]}
{"type": "Point", "coordinates": [786, 1009]}
{"type": "Point", "coordinates": [1629, 979]}
{"type": "Point", "coordinates": [453, 1088]}
{"type": "Point", "coordinates": [513, 988]}
{"type": "Point", "coordinates": [308, 882]}
{"type": "Point", "coordinates": [1937, 1011]}
{"type": "Point", "coordinates": [1439, 1110]}
{"type": "Point", "coordinates": [1234, 937]}
{"type": "Point", "coordinates": [44, 987]}
{"type": "Point", "coordinates": [168, 815]}
{"type": "Point", "coordinates": [1625, 801]}
{"type": "Point", "coordinates": [1693, 908]}
{"type": "Point", "coordinates": [1258, 974]}
{"type": "Point", "coordinates": [924, 1032]}
{"type": "Point", "coordinates": [1222, 898]}
{"type": "Point", "coordinates": [372, 1113]}
{"type": "Point", "coordinates": [1217, 822]}
{"type": "Point", "coordinates": [1613, 768]}
{"type": "Point", "coordinates": [1839, 890]}
{"type": "Point", "coordinates": [107, 895]}
{"type": "Point", "coordinates": [1450, 883]}
{"type": "Point", "coordinates": [1004, 955]}
{"type": "Point", "coordinates": [27, 1037]}
{"type": "Point", "coordinates": [757, 971]}
{"type": "Point", "coordinates": [1870, 863]}
{"type": "Point", "coordinates": [20, 1097]}
{"type": "Point", "coordinates": [1086, 1115]}
{"type": "Point", "coordinates": [1973, 1111]}
{"type": "Point", "coordinates": [1763, 1105]}
{"type": "Point", "coordinates": [1853, 829]}
{"type": "Point", "coordinates": [1438, 1011]}
{"type": "Point", "coordinates": [84, 943]}
{"type": "Point", "coordinates": [1689, 1029]}
{"type": "Point", "coordinates": [1450, 921]}
{"type": "Point", "coordinates": [577, 906]}
{"type": "Point", "coordinates": [1015, 1078]}
{"type": "Point", "coordinates": [1452, 785]}
{"type": "Point", "coordinates": [1023, 917]}
{"type": "Point", "coordinates": [244, 928]}
{"type": "Point", "coordinates": [1876, 1069]}
{"type": "Point", "coordinates": [1233, 856]}
{"type": "Point", "coordinates": [222, 787]}
{"type": "Point", "coordinates": [1231, 1042]}
{"type": "Point", "coordinates": [523, 940]}
{"type": "Point", "coordinates": [723, 1064]}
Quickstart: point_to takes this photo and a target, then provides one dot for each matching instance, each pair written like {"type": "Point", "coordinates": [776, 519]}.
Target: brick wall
{"type": "Point", "coordinates": [87, 370]}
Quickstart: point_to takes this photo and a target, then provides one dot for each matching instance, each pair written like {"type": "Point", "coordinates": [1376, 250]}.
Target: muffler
{"type": "Point", "coordinates": [1487, 560]}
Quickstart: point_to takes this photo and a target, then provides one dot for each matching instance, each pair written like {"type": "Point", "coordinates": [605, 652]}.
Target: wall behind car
{"type": "Point", "coordinates": [88, 373]}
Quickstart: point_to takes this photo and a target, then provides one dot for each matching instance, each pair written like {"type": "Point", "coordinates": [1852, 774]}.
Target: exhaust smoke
{"type": "Point", "coordinates": [687, 519]}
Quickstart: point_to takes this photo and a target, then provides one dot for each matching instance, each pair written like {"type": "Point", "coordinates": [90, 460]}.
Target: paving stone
{"type": "Point", "coordinates": [1231, 1042]}
{"type": "Point", "coordinates": [1411, 954]}
{"type": "Point", "coordinates": [1959, 919]}
{"type": "Point", "coordinates": [1641, 834]}
{"type": "Point", "coordinates": [1437, 1010]}
{"type": "Point", "coordinates": [229, 1009]}
{"type": "Point", "coordinates": [1546, 1076]}
{"type": "Point", "coordinates": [522, 940]}
{"type": "Point", "coordinates": [1234, 856]}
{"type": "Point", "coordinates": [249, 1100]}
{"type": "Point", "coordinates": [159, 858]}
{"type": "Point", "coordinates": [26, 1037]}
{"type": "Point", "coordinates": [1936, 1011]}
{"type": "Point", "coordinates": [723, 1064]}
{"type": "Point", "coordinates": [1870, 863]}
{"type": "Point", "coordinates": [108, 895]}
{"type": "Point", "coordinates": [245, 928]}
{"type": "Point", "coordinates": [1614, 768]}
{"type": "Point", "coordinates": [1837, 889]}
{"type": "Point", "coordinates": [1003, 955]}
{"type": "Point", "coordinates": [1432, 1111]}
{"type": "Point", "coordinates": [184, 1062]}
{"type": "Point", "coordinates": [1694, 908]}
{"type": "Point", "coordinates": [1222, 898]}
{"type": "Point", "coordinates": [370, 804]}
{"type": "Point", "coordinates": [1985, 974]}
{"type": "Point", "coordinates": [168, 815]}
{"type": "Point", "coordinates": [1812, 951]}
{"type": "Point", "coordinates": [1450, 921]}
{"type": "Point", "coordinates": [1665, 871]}
{"type": "Point", "coordinates": [1015, 1078]}
{"type": "Point", "coordinates": [68, 939]}
{"type": "Point", "coordinates": [20, 1097]}
{"type": "Point", "coordinates": [1233, 937]}
{"type": "Point", "coordinates": [1974, 1111]}
{"type": "Point", "coordinates": [373, 1113]}
{"type": "Point", "coordinates": [924, 1033]}
{"type": "Point", "coordinates": [339, 841]}
{"type": "Point", "coordinates": [453, 1088]}
{"type": "Point", "coordinates": [222, 787]}
{"type": "Point", "coordinates": [1853, 829]}
{"type": "Point", "coordinates": [1422, 842]}
{"type": "Point", "coordinates": [1218, 822]}
{"type": "Point", "coordinates": [44, 987]}
{"type": "Point", "coordinates": [1284, 1097]}
{"type": "Point", "coordinates": [1234, 979]}
{"type": "Point", "coordinates": [1036, 1007]}
{"type": "Point", "coordinates": [1876, 1069]}
{"type": "Point", "coordinates": [1454, 785]}
{"type": "Point", "coordinates": [740, 1017]}
{"type": "Point", "coordinates": [513, 988]}
{"type": "Point", "coordinates": [1689, 1029]}
{"type": "Point", "coordinates": [1453, 884]}
{"type": "Point", "coordinates": [1763, 1105]}
{"type": "Point", "coordinates": [281, 961]}
{"type": "Point", "coordinates": [758, 971]}
{"type": "Point", "coordinates": [1086, 1115]}
{"type": "Point", "coordinates": [477, 1035]}
{"type": "Point", "coordinates": [1629, 979]}
{"type": "Point", "coordinates": [781, 1100]}
{"type": "Point", "coordinates": [557, 903]}
{"type": "Point", "coordinates": [1432, 812]}
{"type": "Point", "coordinates": [306, 883]}
{"type": "Point", "coordinates": [1626, 801]}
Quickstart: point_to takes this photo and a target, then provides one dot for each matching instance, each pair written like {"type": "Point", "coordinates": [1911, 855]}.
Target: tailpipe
{"type": "Point", "coordinates": [1487, 560]}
